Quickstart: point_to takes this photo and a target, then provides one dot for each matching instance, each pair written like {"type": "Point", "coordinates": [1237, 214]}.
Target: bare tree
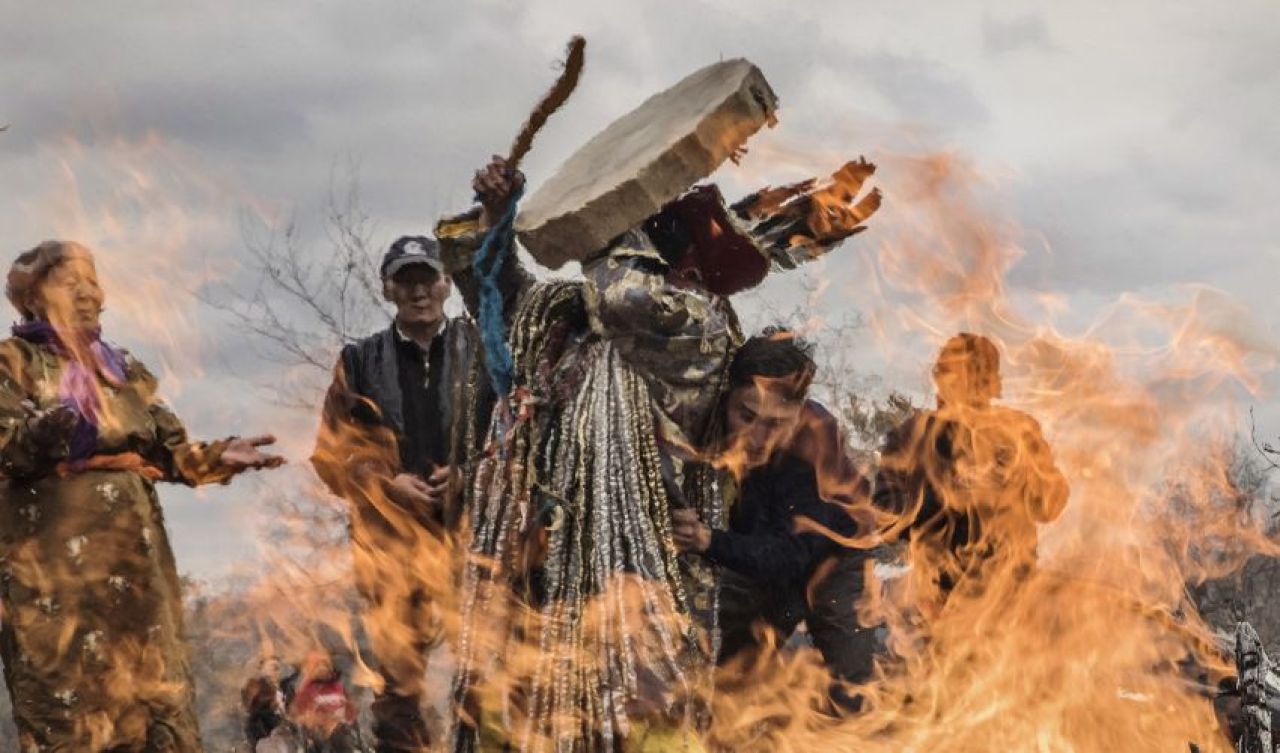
{"type": "Point", "coordinates": [307, 302]}
{"type": "Point", "coordinates": [302, 296]}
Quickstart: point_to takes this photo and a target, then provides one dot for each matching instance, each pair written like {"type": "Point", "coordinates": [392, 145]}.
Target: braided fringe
{"type": "Point", "coordinates": [611, 626]}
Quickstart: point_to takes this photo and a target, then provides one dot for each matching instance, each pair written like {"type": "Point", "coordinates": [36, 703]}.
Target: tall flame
{"type": "Point", "coordinates": [1094, 648]}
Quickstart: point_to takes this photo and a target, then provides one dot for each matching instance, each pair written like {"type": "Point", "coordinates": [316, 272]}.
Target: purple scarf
{"type": "Point", "coordinates": [78, 388]}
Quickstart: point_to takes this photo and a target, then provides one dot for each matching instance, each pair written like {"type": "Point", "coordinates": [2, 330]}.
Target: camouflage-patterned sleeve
{"type": "Point", "coordinates": [631, 295]}
{"type": "Point", "coordinates": [460, 237]}
{"type": "Point", "coordinates": [680, 337]}
{"type": "Point", "coordinates": [19, 454]}
{"type": "Point", "coordinates": [181, 460]}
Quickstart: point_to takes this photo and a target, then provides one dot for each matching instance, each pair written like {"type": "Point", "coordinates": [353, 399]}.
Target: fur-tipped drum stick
{"type": "Point", "coordinates": [550, 102]}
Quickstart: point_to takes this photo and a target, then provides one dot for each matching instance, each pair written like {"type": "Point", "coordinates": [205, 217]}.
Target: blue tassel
{"type": "Point", "coordinates": [498, 243]}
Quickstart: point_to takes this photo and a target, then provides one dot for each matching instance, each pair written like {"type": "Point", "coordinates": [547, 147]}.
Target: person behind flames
{"type": "Point", "coordinates": [92, 638]}
{"type": "Point", "coordinates": [400, 422]}
{"type": "Point", "coordinates": [262, 701]}
{"type": "Point", "coordinates": [788, 467]}
{"type": "Point", "coordinates": [969, 480]}
{"type": "Point", "coordinates": [319, 708]}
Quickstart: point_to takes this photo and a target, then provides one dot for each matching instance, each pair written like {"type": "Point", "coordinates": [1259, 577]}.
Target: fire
{"type": "Point", "coordinates": [1095, 647]}
{"type": "Point", "coordinates": [153, 213]}
{"type": "Point", "coordinates": [1075, 634]}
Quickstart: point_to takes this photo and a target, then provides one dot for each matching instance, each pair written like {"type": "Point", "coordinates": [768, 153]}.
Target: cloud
{"type": "Point", "coordinates": [1023, 32]}
{"type": "Point", "coordinates": [923, 91]}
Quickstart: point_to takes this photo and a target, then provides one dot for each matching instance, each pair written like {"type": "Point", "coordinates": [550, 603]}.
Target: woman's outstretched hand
{"type": "Point", "coordinates": [242, 454]}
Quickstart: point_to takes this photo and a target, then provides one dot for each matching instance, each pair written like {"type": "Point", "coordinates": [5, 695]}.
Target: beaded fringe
{"type": "Point", "coordinates": [565, 654]}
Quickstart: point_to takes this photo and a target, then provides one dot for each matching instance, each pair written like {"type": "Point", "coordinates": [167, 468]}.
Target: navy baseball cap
{"type": "Point", "coordinates": [411, 249]}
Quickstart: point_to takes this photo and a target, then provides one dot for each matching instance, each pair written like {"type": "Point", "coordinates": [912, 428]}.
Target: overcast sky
{"type": "Point", "coordinates": [1134, 144]}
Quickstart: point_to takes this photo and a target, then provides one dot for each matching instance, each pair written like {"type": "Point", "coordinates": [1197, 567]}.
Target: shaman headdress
{"type": "Point", "coordinates": [639, 172]}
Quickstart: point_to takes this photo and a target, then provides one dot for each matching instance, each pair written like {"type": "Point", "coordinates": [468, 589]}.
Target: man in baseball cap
{"type": "Point", "coordinates": [400, 425]}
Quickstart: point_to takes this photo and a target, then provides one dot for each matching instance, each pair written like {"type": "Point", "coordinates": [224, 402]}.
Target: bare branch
{"type": "Point", "coordinates": [307, 301]}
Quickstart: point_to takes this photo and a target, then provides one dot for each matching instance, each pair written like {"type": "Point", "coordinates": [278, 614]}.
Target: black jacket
{"type": "Point", "coordinates": [762, 542]}
{"type": "Point", "coordinates": [372, 374]}
{"type": "Point", "coordinates": [363, 424]}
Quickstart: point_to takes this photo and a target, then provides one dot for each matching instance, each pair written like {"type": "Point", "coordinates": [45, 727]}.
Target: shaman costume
{"type": "Point", "coordinates": [583, 630]}
{"type": "Point", "coordinates": [578, 610]}
{"type": "Point", "coordinates": [92, 641]}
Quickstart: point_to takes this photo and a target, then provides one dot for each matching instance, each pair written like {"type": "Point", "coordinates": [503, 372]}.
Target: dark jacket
{"type": "Point", "coordinates": [261, 704]}
{"type": "Point", "coordinates": [363, 424]}
{"type": "Point", "coordinates": [371, 373]}
{"type": "Point", "coordinates": [762, 542]}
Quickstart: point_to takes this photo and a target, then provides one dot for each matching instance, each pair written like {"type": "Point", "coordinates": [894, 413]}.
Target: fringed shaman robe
{"type": "Point", "coordinates": [582, 629]}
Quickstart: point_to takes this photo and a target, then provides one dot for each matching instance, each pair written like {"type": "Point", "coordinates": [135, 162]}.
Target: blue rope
{"type": "Point", "coordinates": [499, 243]}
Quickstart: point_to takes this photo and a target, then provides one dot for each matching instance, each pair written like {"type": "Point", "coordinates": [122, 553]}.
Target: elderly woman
{"type": "Point", "coordinates": [92, 638]}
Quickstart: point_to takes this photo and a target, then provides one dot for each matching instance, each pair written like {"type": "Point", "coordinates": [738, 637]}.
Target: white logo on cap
{"type": "Point", "coordinates": [414, 248]}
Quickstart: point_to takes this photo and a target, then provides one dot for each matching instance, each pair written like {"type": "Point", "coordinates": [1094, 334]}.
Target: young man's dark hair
{"type": "Point", "coordinates": [788, 456]}
{"type": "Point", "coordinates": [775, 354]}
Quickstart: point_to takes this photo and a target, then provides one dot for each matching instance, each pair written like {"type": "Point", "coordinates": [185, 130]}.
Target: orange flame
{"type": "Point", "coordinates": [1093, 645]}
{"type": "Point", "coordinates": [1084, 649]}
